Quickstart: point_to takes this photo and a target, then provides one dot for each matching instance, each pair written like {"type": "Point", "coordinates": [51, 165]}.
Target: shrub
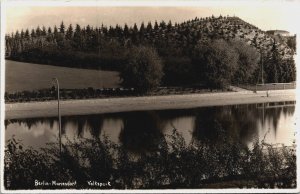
{"type": "Point", "coordinates": [172, 165]}
{"type": "Point", "coordinates": [215, 62]}
{"type": "Point", "coordinates": [144, 69]}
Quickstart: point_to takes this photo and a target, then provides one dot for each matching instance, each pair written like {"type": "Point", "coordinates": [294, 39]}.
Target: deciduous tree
{"type": "Point", "coordinates": [144, 69]}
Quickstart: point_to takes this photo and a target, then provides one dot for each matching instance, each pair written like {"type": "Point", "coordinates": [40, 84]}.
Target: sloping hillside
{"type": "Point", "coordinates": [92, 40]}
{"type": "Point", "coordinates": [107, 48]}
{"type": "Point", "coordinates": [204, 29]}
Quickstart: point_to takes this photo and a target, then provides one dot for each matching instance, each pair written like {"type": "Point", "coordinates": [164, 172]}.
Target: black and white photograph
{"type": "Point", "coordinates": [141, 96]}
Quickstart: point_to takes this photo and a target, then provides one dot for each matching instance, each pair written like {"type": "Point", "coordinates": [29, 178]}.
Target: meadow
{"type": "Point", "coordinates": [21, 76]}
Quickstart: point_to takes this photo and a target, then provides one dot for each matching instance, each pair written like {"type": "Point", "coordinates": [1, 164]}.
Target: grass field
{"type": "Point", "coordinates": [21, 76]}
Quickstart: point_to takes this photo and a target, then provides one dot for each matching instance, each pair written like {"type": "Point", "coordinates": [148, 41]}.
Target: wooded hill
{"type": "Point", "coordinates": [108, 47]}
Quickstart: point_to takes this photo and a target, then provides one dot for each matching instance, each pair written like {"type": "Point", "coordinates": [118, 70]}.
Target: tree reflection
{"type": "Point", "coordinates": [240, 122]}
{"type": "Point", "coordinates": [95, 124]}
{"type": "Point", "coordinates": [81, 121]}
{"type": "Point", "coordinates": [141, 131]}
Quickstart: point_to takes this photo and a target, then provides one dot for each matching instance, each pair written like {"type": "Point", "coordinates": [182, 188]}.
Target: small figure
{"type": "Point", "coordinates": [267, 93]}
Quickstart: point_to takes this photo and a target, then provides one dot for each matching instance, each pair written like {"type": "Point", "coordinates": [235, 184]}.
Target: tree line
{"type": "Point", "coordinates": [191, 52]}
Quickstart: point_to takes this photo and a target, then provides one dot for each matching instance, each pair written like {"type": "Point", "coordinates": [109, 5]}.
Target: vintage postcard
{"type": "Point", "coordinates": [149, 96]}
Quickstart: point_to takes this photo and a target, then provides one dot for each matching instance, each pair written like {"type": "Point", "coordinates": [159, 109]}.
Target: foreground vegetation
{"type": "Point", "coordinates": [215, 51]}
{"type": "Point", "coordinates": [170, 164]}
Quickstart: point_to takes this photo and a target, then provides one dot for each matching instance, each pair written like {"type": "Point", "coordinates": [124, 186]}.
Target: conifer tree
{"type": "Point", "coordinates": [33, 35]}
{"type": "Point", "coordinates": [17, 35]}
{"type": "Point", "coordinates": [126, 31]}
{"type": "Point", "coordinates": [38, 31]}
{"type": "Point", "coordinates": [62, 28]}
{"type": "Point", "coordinates": [44, 33]}
{"type": "Point", "coordinates": [27, 36]}
{"type": "Point", "coordinates": [142, 31]}
{"type": "Point", "coordinates": [22, 34]}
{"type": "Point", "coordinates": [149, 27]}
{"type": "Point", "coordinates": [135, 32]}
{"type": "Point", "coordinates": [77, 37]}
{"type": "Point", "coordinates": [156, 26]}
{"type": "Point", "coordinates": [55, 31]}
{"type": "Point", "coordinates": [69, 33]}
{"type": "Point", "coordinates": [49, 31]}
{"type": "Point", "coordinates": [169, 26]}
{"type": "Point", "coordinates": [162, 24]}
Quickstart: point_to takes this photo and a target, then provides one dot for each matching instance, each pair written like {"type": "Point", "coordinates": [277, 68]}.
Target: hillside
{"type": "Point", "coordinates": [204, 29]}
{"type": "Point", "coordinates": [107, 48]}
{"type": "Point", "coordinates": [182, 34]}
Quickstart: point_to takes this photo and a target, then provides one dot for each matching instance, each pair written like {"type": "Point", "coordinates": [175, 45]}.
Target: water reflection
{"type": "Point", "coordinates": [142, 131]}
{"type": "Point", "coordinates": [145, 130]}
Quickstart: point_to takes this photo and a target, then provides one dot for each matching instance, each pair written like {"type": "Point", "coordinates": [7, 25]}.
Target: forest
{"type": "Point", "coordinates": [211, 51]}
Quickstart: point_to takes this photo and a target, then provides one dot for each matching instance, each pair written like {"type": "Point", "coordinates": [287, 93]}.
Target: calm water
{"type": "Point", "coordinates": [139, 131]}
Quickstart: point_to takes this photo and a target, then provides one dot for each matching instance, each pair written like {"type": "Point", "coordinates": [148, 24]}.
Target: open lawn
{"type": "Point", "coordinates": [21, 76]}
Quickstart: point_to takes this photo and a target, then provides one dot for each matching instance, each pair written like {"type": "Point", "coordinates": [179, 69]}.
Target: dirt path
{"type": "Point", "coordinates": [95, 106]}
{"type": "Point", "coordinates": [238, 89]}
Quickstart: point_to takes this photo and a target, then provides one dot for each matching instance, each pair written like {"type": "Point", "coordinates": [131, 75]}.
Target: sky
{"type": "Point", "coordinates": [266, 16]}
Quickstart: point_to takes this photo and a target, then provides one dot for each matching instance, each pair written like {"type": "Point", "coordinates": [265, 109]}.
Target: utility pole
{"type": "Point", "coordinates": [55, 81]}
{"type": "Point", "coordinates": [262, 67]}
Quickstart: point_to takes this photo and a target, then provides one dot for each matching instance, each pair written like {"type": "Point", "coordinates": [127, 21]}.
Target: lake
{"type": "Point", "coordinates": [20, 76]}
{"type": "Point", "coordinates": [237, 146]}
{"type": "Point", "coordinates": [139, 131]}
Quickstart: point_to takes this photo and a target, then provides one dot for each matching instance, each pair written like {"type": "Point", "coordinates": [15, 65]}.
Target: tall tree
{"type": "Point", "coordinates": [88, 30]}
{"type": "Point", "coordinates": [104, 29]}
{"type": "Point", "coordinates": [55, 31]}
{"type": "Point", "coordinates": [119, 32]}
{"type": "Point", "coordinates": [49, 31]}
{"type": "Point", "coordinates": [27, 35]}
{"type": "Point", "coordinates": [17, 35]}
{"type": "Point", "coordinates": [149, 27]}
{"type": "Point", "coordinates": [33, 35]}
{"type": "Point", "coordinates": [248, 62]}
{"type": "Point", "coordinates": [44, 33]}
{"type": "Point", "coordinates": [215, 62]}
{"type": "Point", "coordinates": [62, 27]}
{"type": "Point", "coordinates": [126, 31]}
{"type": "Point", "coordinates": [135, 32]}
{"type": "Point", "coordinates": [169, 26]}
{"type": "Point", "coordinates": [38, 31]}
{"type": "Point", "coordinates": [142, 32]}
{"type": "Point", "coordinates": [22, 34]}
{"type": "Point", "coordinates": [162, 24]}
{"type": "Point", "coordinates": [77, 37]}
{"type": "Point", "coordinates": [155, 26]}
{"type": "Point", "coordinates": [69, 33]}
{"type": "Point", "coordinates": [273, 65]}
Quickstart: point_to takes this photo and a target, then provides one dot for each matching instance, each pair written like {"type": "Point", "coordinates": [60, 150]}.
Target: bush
{"type": "Point", "coordinates": [215, 62]}
{"type": "Point", "coordinates": [170, 165]}
{"type": "Point", "coordinates": [248, 63]}
{"type": "Point", "coordinates": [144, 69]}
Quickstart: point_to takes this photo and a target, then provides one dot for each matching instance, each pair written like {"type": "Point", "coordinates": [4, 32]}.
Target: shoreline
{"type": "Point", "coordinates": [113, 105]}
